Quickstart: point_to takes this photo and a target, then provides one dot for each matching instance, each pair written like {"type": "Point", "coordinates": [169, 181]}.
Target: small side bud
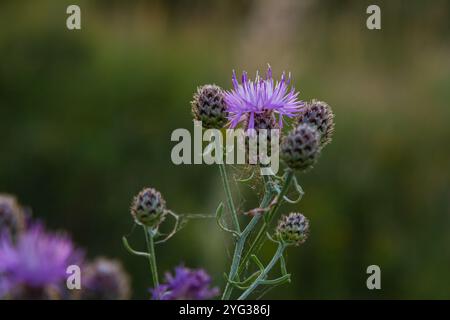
{"type": "Point", "coordinates": [301, 147]}
{"type": "Point", "coordinates": [320, 115]}
{"type": "Point", "coordinates": [208, 106]}
{"type": "Point", "coordinates": [148, 208]}
{"type": "Point", "coordinates": [293, 229]}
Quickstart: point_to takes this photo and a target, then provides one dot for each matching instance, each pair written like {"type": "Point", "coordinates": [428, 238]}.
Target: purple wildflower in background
{"type": "Point", "coordinates": [36, 259]}
{"type": "Point", "coordinates": [259, 96]}
{"type": "Point", "coordinates": [186, 284]}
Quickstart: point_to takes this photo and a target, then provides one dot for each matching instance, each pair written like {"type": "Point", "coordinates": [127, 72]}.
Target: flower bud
{"type": "Point", "coordinates": [209, 106]}
{"type": "Point", "coordinates": [320, 115]}
{"type": "Point", "coordinates": [12, 216]}
{"type": "Point", "coordinates": [293, 229]}
{"type": "Point", "coordinates": [104, 279]}
{"type": "Point", "coordinates": [301, 147]}
{"type": "Point", "coordinates": [149, 208]}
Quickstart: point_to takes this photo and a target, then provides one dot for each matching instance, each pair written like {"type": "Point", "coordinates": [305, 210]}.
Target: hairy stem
{"type": "Point", "coordinates": [264, 273]}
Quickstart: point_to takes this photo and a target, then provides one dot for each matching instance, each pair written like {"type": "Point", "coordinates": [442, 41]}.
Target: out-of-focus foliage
{"type": "Point", "coordinates": [86, 118]}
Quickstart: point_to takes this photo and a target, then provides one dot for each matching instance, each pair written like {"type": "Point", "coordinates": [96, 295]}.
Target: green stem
{"type": "Point", "coordinates": [226, 185]}
{"type": "Point", "coordinates": [237, 256]}
{"type": "Point", "coordinates": [149, 235]}
{"type": "Point", "coordinates": [250, 251]}
{"type": "Point", "coordinates": [259, 239]}
{"type": "Point", "coordinates": [131, 250]}
{"type": "Point", "coordinates": [264, 273]}
{"type": "Point", "coordinates": [284, 190]}
{"type": "Point", "coordinates": [241, 243]}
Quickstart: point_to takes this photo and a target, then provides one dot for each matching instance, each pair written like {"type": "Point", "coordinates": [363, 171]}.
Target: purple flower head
{"type": "Point", "coordinates": [36, 258]}
{"type": "Point", "coordinates": [259, 96]}
{"type": "Point", "coordinates": [186, 284]}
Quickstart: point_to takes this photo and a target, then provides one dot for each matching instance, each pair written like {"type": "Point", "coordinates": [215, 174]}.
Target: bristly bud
{"type": "Point", "coordinates": [208, 106]}
{"type": "Point", "coordinates": [293, 229]}
{"type": "Point", "coordinates": [105, 279]}
{"type": "Point", "coordinates": [301, 147]}
{"type": "Point", "coordinates": [12, 216]}
{"type": "Point", "coordinates": [149, 208]}
{"type": "Point", "coordinates": [320, 115]}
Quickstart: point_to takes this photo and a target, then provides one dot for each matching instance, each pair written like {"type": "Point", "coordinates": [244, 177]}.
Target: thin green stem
{"type": "Point", "coordinates": [149, 235]}
{"type": "Point", "coordinates": [284, 190]}
{"type": "Point", "coordinates": [252, 248]}
{"type": "Point", "coordinates": [259, 239]}
{"type": "Point", "coordinates": [226, 185]}
{"type": "Point", "coordinates": [237, 255]}
{"type": "Point", "coordinates": [241, 243]}
{"type": "Point", "coordinates": [264, 273]}
{"type": "Point", "coordinates": [131, 250]}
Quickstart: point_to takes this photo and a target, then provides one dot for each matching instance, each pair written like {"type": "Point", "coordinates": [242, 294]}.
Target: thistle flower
{"type": "Point", "coordinates": [186, 284]}
{"type": "Point", "coordinates": [301, 147]}
{"type": "Point", "coordinates": [208, 106]}
{"type": "Point", "coordinates": [320, 115]}
{"type": "Point", "coordinates": [293, 229]}
{"type": "Point", "coordinates": [12, 217]}
{"type": "Point", "coordinates": [104, 279]}
{"type": "Point", "coordinates": [250, 98]}
{"type": "Point", "coordinates": [35, 262]}
{"type": "Point", "coordinates": [148, 208]}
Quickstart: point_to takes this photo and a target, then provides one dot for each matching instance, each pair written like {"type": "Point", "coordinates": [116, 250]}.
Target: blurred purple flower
{"type": "Point", "coordinates": [259, 96]}
{"type": "Point", "coordinates": [186, 284]}
{"type": "Point", "coordinates": [36, 259]}
{"type": "Point", "coordinates": [104, 279]}
{"type": "Point", "coordinates": [12, 215]}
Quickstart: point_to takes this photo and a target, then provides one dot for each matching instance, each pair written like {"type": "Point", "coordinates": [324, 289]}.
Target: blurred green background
{"type": "Point", "coordinates": [86, 118]}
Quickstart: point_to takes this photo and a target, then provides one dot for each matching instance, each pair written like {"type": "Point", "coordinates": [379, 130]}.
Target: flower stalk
{"type": "Point", "coordinates": [263, 275]}
{"type": "Point", "coordinates": [149, 239]}
{"type": "Point", "coordinates": [234, 269]}
{"type": "Point", "coordinates": [260, 237]}
{"type": "Point", "coordinates": [226, 186]}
